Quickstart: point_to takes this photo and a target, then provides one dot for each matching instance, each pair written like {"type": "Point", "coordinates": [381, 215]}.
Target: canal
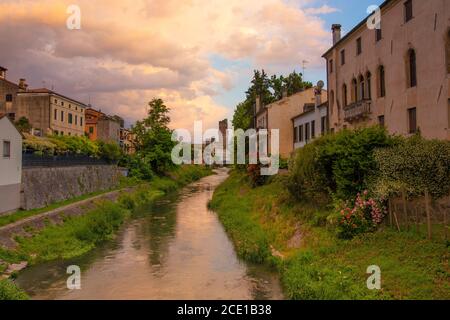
{"type": "Point", "coordinates": [175, 249]}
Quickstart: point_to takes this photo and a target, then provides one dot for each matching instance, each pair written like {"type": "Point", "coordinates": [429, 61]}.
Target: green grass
{"type": "Point", "coordinates": [78, 235]}
{"type": "Point", "coordinates": [323, 266]}
{"type": "Point", "coordinates": [9, 291]}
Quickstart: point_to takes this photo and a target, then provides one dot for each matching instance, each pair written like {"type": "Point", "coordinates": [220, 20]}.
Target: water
{"type": "Point", "coordinates": [177, 250]}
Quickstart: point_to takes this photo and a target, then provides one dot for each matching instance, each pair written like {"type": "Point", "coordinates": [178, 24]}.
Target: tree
{"type": "Point", "coordinates": [154, 138]}
{"type": "Point", "coordinates": [23, 124]}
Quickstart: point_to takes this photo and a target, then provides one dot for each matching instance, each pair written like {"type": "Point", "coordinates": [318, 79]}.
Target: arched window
{"type": "Point", "coordinates": [354, 90]}
{"type": "Point", "coordinates": [381, 82]}
{"type": "Point", "coordinates": [369, 85]}
{"type": "Point", "coordinates": [412, 69]}
{"type": "Point", "coordinates": [344, 95]}
{"type": "Point", "coordinates": [448, 51]}
{"type": "Point", "coordinates": [362, 88]}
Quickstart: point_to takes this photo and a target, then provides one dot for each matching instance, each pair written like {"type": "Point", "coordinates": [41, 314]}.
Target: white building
{"type": "Point", "coordinates": [10, 165]}
{"type": "Point", "coordinates": [311, 123]}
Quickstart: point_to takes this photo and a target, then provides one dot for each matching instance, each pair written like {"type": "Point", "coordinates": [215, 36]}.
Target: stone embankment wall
{"type": "Point", "coordinates": [43, 186]}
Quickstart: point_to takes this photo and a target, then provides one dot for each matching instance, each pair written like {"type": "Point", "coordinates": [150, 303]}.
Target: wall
{"type": "Point", "coordinates": [7, 87]}
{"type": "Point", "coordinates": [426, 34]}
{"type": "Point", "coordinates": [36, 108]}
{"type": "Point", "coordinates": [10, 168]}
{"type": "Point", "coordinates": [308, 117]}
{"type": "Point", "coordinates": [43, 186]}
{"type": "Point", "coordinates": [62, 126]}
{"type": "Point", "coordinates": [108, 130]}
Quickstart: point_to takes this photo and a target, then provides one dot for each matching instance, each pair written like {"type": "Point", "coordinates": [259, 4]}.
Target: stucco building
{"type": "Point", "coordinates": [397, 75]}
{"type": "Point", "coordinates": [278, 115]}
{"type": "Point", "coordinates": [10, 165]}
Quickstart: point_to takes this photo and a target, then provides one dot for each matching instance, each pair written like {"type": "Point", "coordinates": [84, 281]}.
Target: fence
{"type": "Point", "coordinates": [422, 213]}
{"type": "Point", "coordinates": [31, 160]}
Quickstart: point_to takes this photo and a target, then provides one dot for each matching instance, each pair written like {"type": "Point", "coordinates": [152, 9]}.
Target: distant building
{"type": "Point", "coordinates": [92, 117]}
{"type": "Point", "coordinates": [311, 123]}
{"type": "Point", "coordinates": [8, 91]}
{"type": "Point", "coordinates": [279, 115]}
{"type": "Point", "coordinates": [397, 76]}
{"type": "Point", "coordinates": [108, 129]}
{"type": "Point", "coordinates": [127, 141]}
{"type": "Point", "coordinates": [10, 165]}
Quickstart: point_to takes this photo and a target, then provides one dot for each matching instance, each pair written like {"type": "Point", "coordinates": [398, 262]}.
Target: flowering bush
{"type": "Point", "coordinates": [364, 215]}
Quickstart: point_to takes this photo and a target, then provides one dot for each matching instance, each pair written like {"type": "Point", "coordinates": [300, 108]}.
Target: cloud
{"type": "Point", "coordinates": [128, 52]}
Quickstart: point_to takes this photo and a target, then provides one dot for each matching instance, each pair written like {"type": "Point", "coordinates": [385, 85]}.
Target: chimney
{"type": "Point", "coordinates": [258, 103]}
{"type": "Point", "coordinates": [22, 84]}
{"type": "Point", "coordinates": [3, 73]}
{"type": "Point", "coordinates": [336, 33]}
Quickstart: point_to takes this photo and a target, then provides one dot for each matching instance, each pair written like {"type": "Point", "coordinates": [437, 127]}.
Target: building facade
{"type": "Point", "coordinates": [8, 92]}
{"type": "Point", "coordinates": [397, 75]}
{"type": "Point", "coordinates": [108, 129]}
{"type": "Point", "coordinates": [279, 115]}
{"type": "Point", "coordinates": [311, 123]}
{"type": "Point", "coordinates": [92, 117]}
{"type": "Point", "coordinates": [10, 165]}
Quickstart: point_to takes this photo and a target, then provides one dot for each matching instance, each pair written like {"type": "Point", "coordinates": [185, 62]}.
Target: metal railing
{"type": "Point", "coordinates": [357, 110]}
{"type": "Point", "coordinates": [32, 160]}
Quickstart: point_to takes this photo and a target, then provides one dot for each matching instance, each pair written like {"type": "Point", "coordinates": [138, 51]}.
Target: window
{"type": "Point", "coordinates": [70, 118]}
{"type": "Point", "coordinates": [313, 129]}
{"type": "Point", "coordinates": [62, 133]}
{"type": "Point", "coordinates": [331, 66]}
{"type": "Point", "coordinates": [358, 46]}
{"type": "Point", "coordinates": [408, 10]}
{"type": "Point", "coordinates": [331, 99]}
{"type": "Point", "coordinates": [378, 34]}
{"type": "Point", "coordinates": [76, 119]}
{"type": "Point", "coordinates": [382, 82]}
{"type": "Point", "coordinates": [323, 124]}
{"type": "Point", "coordinates": [56, 101]}
{"type": "Point", "coordinates": [307, 132]}
{"type": "Point", "coordinates": [55, 114]}
{"type": "Point", "coordinates": [354, 90]}
{"type": "Point", "coordinates": [62, 115]}
{"type": "Point", "coordinates": [362, 88]}
{"type": "Point", "coordinates": [62, 103]}
{"type": "Point", "coordinates": [9, 98]}
{"type": "Point", "coordinates": [369, 85]}
{"type": "Point", "coordinates": [6, 149]}
{"type": "Point", "coordinates": [412, 68]}
{"type": "Point", "coordinates": [295, 134]}
{"type": "Point", "coordinates": [381, 121]}
{"type": "Point", "coordinates": [56, 132]}
{"type": "Point", "coordinates": [91, 130]}
{"type": "Point", "coordinates": [342, 57]}
{"type": "Point", "coordinates": [412, 120]}
{"type": "Point", "coordinates": [344, 95]}
{"type": "Point", "coordinates": [81, 121]}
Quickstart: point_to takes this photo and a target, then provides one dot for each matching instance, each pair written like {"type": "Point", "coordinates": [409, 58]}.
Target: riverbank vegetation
{"type": "Point", "coordinates": [322, 224]}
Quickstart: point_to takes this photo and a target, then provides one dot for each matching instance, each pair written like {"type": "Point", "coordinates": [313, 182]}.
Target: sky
{"type": "Point", "coordinates": [196, 55]}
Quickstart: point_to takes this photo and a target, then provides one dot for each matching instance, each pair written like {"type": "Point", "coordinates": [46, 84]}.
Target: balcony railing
{"type": "Point", "coordinates": [357, 111]}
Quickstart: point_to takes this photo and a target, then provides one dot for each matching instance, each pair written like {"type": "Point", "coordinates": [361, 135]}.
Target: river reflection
{"type": "Point", "coordinates": [176, 249]}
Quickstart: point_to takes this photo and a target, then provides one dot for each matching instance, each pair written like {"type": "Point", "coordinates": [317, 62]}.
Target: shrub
{"type": "Point", "coordinates": [110, 151]}
{"type": "Point", "coordinates": [338, 163]}
{"type": "Point", "coordinates": [9, 291]}
{"type": "Point", "coordinates": [415, 165]}
{"type": "Point", "coordinates": [364, 215]}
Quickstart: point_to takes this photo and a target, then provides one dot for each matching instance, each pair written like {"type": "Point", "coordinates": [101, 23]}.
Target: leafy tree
{"type": "Point", "coordinates": [154, 138]}
{"type": "Point", "coordinates": [23, 124]}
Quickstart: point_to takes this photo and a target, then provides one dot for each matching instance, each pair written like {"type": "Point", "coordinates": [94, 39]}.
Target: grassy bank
{"type": "Point", "coordinates": [267, 226]}
{"type": "Point", "coordinates": [78, 235]}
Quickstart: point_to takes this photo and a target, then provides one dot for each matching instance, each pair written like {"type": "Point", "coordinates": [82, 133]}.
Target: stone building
{"type": "Point", "coordinates": [10, 165]}
{"type": "Point", "coordinates": [8, 91]}
{"type": "Point", "coordinates": [92, 117]}
{"type": "Point", "coordinates": [50, 113]}
{"type": "Point", "coordinates": [108, 129]}
{"type": "Point", "coordinates": [397, 75]}
{"type": "Point", "coordinates": [279, 115]}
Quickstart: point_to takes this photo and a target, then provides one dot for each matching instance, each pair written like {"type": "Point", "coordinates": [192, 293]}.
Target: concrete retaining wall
{"type": "Point", "coordinates": [44, 186]}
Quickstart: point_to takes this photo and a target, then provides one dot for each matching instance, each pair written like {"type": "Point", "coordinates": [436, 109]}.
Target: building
{"type": "Point", "coordinates": [311, 123]}
{"type": "Point", "coordinates": [8, 92]}
{"type": "Point", "coordinates": [397, 75]}
{"type": "Point", "coordinates": [279, 115]}
{"type": "Point", "coordinates": [10, 165]}
{"type": "Point", "coordinates": [127, 141]}
{"type": "Point", "coordinates": [92, 117]}
{"type": "Point", "coordinates": [50, 112]}
{"type": "Point", "coordinates": [108, 129]}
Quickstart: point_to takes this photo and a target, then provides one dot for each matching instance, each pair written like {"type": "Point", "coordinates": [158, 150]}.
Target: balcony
{"type": "Point", "coordinates": [357, 111]}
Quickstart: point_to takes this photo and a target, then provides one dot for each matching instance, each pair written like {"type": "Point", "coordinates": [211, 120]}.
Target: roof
{"type": "Point", "coordinates": [51, 92]}
{"type": "Point", "coordinates": [384, 4]}
{"type": "Point", "coordinates": [308, 109]}
{"type": "Point", "coordinates": [2, 115]}
{"type": "Point", "coordinates": [10, 82]}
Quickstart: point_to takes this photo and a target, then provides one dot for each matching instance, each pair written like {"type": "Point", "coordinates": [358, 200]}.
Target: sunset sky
{"type": "Point", "coordinates": [197, 55]}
